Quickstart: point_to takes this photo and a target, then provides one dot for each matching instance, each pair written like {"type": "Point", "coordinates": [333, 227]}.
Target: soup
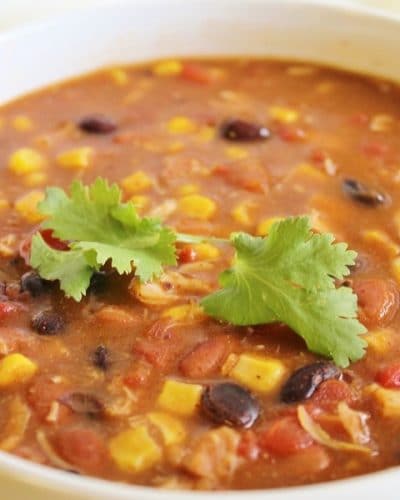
{"type": "Point", "coordinates": [136, 380]}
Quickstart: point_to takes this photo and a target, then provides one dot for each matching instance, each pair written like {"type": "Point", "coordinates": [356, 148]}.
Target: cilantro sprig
{"type": "Point", "coordinates": [288, 276]}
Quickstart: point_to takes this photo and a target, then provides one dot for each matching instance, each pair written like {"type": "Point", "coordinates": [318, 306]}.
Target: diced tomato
{"type": "Point", "coordinates": [291, 134]}
{"type": "Point", "coordinates": [187, 254]}
{"type": "Point", "coordinates": [41, 396]}
{"type": "Point", "coordinates": [378, 301]}
{"type": "Point", "coordinates": [375, 149]}
{"type": "Point", "coordinates": [249, 178]}
{"type": "Point", "coordinates": [206, 358]}
{"type": "Point", "coordinates": [138, 376]}
{"type": "Point", "coordinates": [52, 241]}
{"type": "Point", "coordinates": [159, 353]}
{"type": "Point", "coordinates": [389, 376]}
{"type": "Point", "coordinates": [47, 235]}
{"type": "Point", "coordinates": [198, 73]}
{"type": "Point", "coordinates": [318, 156]}
{"type": "Point", "coordinates": [248, 446]}
{"type": "Point", "coordinates": [284, 437]}
{"type": "Point", "coordinates": [9, 308]}
{"type": "Point", "coordinates": [83, 448]}
{"type": "Point", "coordinates": [330, 393]}
{"type": "Point", "coordinates": [359, 119]}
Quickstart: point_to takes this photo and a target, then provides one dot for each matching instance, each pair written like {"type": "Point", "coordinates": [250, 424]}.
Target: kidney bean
{"type": "Point", "coordinates": [231, 404]}
{"type": "Point", "coordinates": [240, 130]}
{"type": "Point", "coordinates": [81, 402]}
{"type": "Point", "coordinates": [303, 382]}
{"type": "Point", "coordinates": [378, 300]}
{"type": "Point", "coordinates": [31, 282]}
{"type": "Point", "coordinates": [101, 357]}
{"type": "Point", "coordinates": [97, 124]}
{"type": "Point", "coordinates": [83, 448]}
{"type": "Point", "coordinates": [362, 193]}
{"type": "Point", "coordinates": [48, 322]}
{"type": "Point", "coordinates": [205, 358]}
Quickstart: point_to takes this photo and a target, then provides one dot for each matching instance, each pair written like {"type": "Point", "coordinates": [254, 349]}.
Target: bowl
{"type": "Point", "coordinates": [337, 34]}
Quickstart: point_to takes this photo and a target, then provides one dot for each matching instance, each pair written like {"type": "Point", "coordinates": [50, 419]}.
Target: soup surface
{"type": "Point", "coordinates": [134, 382]}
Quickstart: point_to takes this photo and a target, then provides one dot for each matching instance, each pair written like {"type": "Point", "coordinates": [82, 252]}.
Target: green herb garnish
{"type": "Point", "coordinates": [288, 276]}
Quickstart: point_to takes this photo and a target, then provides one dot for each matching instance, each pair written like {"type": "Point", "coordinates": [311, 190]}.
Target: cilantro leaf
{"type": "Point", "coordinates": [289, 276]}
{"type": "Point", "coordinates": [73, 268]}
{"type": "Point", "coordinates": [93, 218]}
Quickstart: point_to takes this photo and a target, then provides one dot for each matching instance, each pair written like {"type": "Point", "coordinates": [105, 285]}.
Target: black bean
{"type": "Point", "coordinates": [97, 124]}
{"type": "Point", "coordinates": [81, 402]}
{"type": "Point", "coordinates": [31, 282]}
{"type": "Point", "coordinates": [362, 193]}
{"type": "Point", "coordinates": [101, 357]}
{"type": "Point", "coordinates": [231, 404]}
{"type": "Point", "coordinates": [239, 130]}
{"type": "Point", "coordinates": [98, 282]}
{"type": "Point", "coordinates": [303, 382]}
{"type": "Point", "coordinates": [48, 323]}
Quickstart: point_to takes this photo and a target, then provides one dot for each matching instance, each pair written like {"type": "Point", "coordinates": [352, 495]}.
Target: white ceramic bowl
{"type": "Point", "coordinates": [334, 33]}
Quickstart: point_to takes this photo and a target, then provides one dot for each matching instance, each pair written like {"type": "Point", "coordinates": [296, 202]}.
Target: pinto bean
{"type": "Point", "coordinates": [205, 358]}
{"type": "Point", "coordinates": [378, 301]}
{"type": "Point", "coordinates": [230, 404]}
{"type": "Point", "coordinates": [83, 403]}
{"type": "Point", "coordinates": [83, 448]}
{"type": "Point", "coordinates": [303, 382]}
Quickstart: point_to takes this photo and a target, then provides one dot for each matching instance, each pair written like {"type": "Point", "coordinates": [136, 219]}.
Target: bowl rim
{"type": "Point", "coordinates": [28, 472]}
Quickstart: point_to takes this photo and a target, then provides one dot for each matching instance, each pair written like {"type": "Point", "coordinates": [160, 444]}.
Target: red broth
{"type": "Point", "coordinates": [117, 387]}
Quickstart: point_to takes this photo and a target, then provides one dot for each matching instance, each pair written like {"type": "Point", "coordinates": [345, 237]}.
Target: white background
{"type": "Point", "coordinates": [13, 12]}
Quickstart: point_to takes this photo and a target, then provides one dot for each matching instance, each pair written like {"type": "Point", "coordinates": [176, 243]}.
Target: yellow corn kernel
{"type": "Point", "coordinates": [184, 312]}
{"type": "Point", "coordinates": [22, 123]}
{"type": "Point", "coordinates": [305, 169]}
{"type": "Point", "coordinates": [25, 161]}
{"type": "Point", "coordinates": [175, 147]}
{"type": "Point", "coordinates": [381, 123]}
{"type": "Point", "coordinates": [27, 206]}
{"type": "Point", "coordinates": [171, 429]}
{"type": "Point", "coordinates": [265, 225]}
{"type": "Point", "coordinates": [241, 213]}
{"type": "Point", "coordinates": [236, 153]}
{"type": "Point", "coordinates": [76, 159]}
{"type": "Point", "coordinates": [382, 240]}
{"type": "Point", "coordinates": [206, 251]}
{"type": "Point", "coordinates": [181, 125]}
{"type": "Point", "coordinates": [179, 397]}
{"type": "Point", "coordinates": [258, 373]}
{"type": "Point", "coordinates": [206, 133]}
{"type": "Point", "coordinates": [284, 115]}
{"type": "Point", "coordinates": [170, 67]}
{"type": "Point", "coordinates": [35, 179]}
{"type": "Point", "coordinates": [135, 450]}
{"type": "Point", "coordinates": [140, 201]}
{"type": "Point", "coordinates": [188, 189]}
{"type": "Point", "coordinates": [4, 204]}
{"type": "Point", "coordinates": [119, 76]}
{"type": "Point", "coordinates": [139, 181]}
{"type": "Point", "coordinates": [8, 245]}
{"type": "Point", "coordinates": [388, 400]}
{"type": "Point", "coordinates": [380, 341]}
{"type": "Point", "coordinates": [16, 368]}
{"type": "Point", "coordinates": [197, 206]}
